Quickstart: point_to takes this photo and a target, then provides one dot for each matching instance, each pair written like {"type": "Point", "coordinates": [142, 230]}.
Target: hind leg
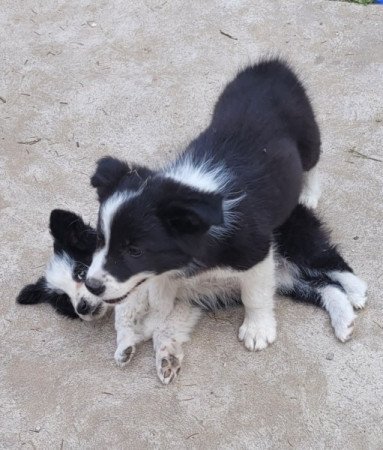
{"type": "Point", "coordinates": [317, 288]}
{"type": "Point", "coordinates": [311, 190]}
{"type": "Point", "coordinates": [327, 296]}
{"type": "Point", "coordinates": [341, 313]}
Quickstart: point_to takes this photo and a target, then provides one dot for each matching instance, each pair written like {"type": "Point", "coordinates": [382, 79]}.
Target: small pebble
{"type": "Point", "coordinates": [356, 238]}
{"type": "Point", "coordinates": [330, 356]}
{"type": "Point", "coordinates": [91, 23]}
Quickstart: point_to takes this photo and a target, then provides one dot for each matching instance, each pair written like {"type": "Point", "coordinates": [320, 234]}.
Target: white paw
{"type": "Point", "coordinates": [309, 199]}
{"type": "Point", "coordinates": [168, 364]}
{"type": "Point", "coordinates": [311, 190]}
{"type": "Point", "coordinates": [124, 354]}
{"type": "Point", "coordinates": [357, 301]}
{"type": "Point", "coordinates": [340, 310]}
{"type": "Point", "coordinates": [354, 287]}
{"type": "Point", "coordinates": [257, 335]}
{"type": "Point", "coordinates": [357, 294]}
{"type": "Point", "coordinates": [344, 327]}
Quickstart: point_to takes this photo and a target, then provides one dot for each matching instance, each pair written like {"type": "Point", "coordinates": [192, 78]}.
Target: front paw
{"type": "Point", "coordinates": [124, 354]}
{"type": "Point", "coordinates": [168, 369]}
{"type": "Point", "coordinates": [257, 334]}
{"type": "Point", "coordinates": [168, 363]}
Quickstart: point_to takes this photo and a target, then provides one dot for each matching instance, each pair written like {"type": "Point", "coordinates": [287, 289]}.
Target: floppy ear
{"type": "Point", "coordinates": [31, 294]}
{"type": "Point", "coordinates": [38, 292]}
{"type": "Point", "coordinates": [69, 230]}
{"type": "Point", "coordinates": [109, 173]}
{"type": "Point", "coordinates": [190, 212]}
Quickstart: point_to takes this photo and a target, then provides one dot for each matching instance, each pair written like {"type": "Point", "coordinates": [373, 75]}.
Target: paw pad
{"type": "Point", "coordinates": [170, 367]}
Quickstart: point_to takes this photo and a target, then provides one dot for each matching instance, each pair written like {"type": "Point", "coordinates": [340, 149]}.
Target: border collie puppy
{"type": "Point", "coordinates": [309, 269]}
{"type": "Point", "coordinates": [209, 216]}
{"type": "Point", "coordinates": [63, 284]}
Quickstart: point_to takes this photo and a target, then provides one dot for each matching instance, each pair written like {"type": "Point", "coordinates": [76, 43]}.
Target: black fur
{"type": "Point", "coordinates": [111, 171]}
{"type": "Point", "coordinates": [38, 292]}
{"type": "Point", "coordinates": [305, 241]}
{"type": "Point", "coordinates": [72, 236]}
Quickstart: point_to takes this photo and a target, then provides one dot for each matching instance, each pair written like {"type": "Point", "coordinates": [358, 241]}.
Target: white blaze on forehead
{"type": "Point", "coordinates": [109, 209]}
{"type": "Point", "coordinates": [107, 213]}
{"type": "Point", "coordinates": [59, 274]}
{"type": "Point", "coordinates": [96, 268]}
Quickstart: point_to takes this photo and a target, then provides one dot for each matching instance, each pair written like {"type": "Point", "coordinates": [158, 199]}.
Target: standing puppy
{"type": "Point", "coordinates": [207, 218]}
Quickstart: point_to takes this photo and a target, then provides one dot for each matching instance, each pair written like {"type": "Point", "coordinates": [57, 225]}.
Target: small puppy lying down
{"type": "Point", "coordinates": [309, 269]}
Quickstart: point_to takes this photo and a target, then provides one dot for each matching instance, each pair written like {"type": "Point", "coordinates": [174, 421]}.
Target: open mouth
{"type": "Point", "coordinates": [114, 301]}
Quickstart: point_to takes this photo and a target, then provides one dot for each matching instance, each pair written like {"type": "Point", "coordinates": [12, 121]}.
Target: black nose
{"type": "Point", "coordinates": [94, 286]}
{"type": "Point", "coordinates": [83, 307]}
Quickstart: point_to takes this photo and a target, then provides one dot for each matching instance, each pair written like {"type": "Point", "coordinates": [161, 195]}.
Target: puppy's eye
{"type": "Point", "coordinates": [133, 251]}
{"type": "Point", "coordinates": [80, 275]}
{"type": "Point", "coordinates": [100, 240]}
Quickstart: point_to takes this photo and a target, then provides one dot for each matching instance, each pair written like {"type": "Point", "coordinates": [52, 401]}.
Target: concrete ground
{"type": "Point", "coordinates": [81, 79]}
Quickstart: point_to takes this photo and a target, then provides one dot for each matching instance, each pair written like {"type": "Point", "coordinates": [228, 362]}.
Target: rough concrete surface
{"type": "Point", "coordinates": [137, 80]}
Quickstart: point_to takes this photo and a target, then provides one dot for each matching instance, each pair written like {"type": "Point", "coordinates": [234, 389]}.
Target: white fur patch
{"type": "Point", "coordinates": [208, 177]}
{"type": "Point", "coordinates": [340, 310]}
{"type": "Point", "coordinates": [257, 288]}
{"type": "Point", "coordinates": [204, 176]}
{"type": "Point", "coordinates": [286, 274]}
{"type": "Point", "coordinates": [355, 287]}
{"type": "Point", "coordinates": [230, 218]}
{"type": "Point", "coordinates": [311, 190]}
{"type": "Point", "coordinates": [58, 274]}
{"type": "Point", "coordinates": [107, 213]}
{"type": "Point", "coordinates": [59, 277]}
{"type": "Point", "coordinates": [109, 209]}
{"type": "Point", "coordinates": [96, 269]}
{"type": "Point", "coordinates": [206, 288]}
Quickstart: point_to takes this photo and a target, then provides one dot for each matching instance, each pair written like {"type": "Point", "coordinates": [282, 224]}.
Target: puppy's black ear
{"type": "Point", "coordinates": [39, 293]}
{"type": "Point", "coordinates": [70, 231]}
{"type": "Point", "coordinates": [186, 211]}
{"type": "Point", "coordinates": [32, 294]}
{"type": "Point", "coordinates": [109, 173]}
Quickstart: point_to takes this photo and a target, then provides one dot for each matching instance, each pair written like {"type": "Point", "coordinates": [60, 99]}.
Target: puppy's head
{"type": "Point", "coordinates": [64, 283]}
{"type": "Point", "coordinates": [148, 224]}
{"type": "Point", "coordinates": [74, 245]}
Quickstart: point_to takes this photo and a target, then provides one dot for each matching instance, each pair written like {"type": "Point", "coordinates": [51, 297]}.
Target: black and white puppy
{"type": "Point", "coordinates": [74, 243]}
{"type": "Point", "coordinates": [207, 218]}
